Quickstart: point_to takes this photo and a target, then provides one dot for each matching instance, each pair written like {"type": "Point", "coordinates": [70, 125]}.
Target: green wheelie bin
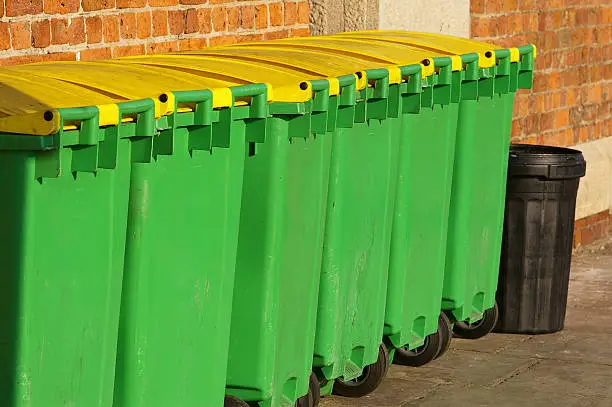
{"type": "Point", "coordinates": [63, 216]}
{"type": "Point", "coordinates": [491, 77]}
{"type": "Point", "coordinates": [414, 324]}
{"type": "Point", "coordinates": [269, 146]}
{"type": "Point", "coordinates": [475, 229]}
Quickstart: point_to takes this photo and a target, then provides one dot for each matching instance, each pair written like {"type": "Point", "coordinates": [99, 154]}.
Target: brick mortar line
{"type": "Point", "coordinates": [83, 46]}
{"type": "Point", "coordinates": [115, 11]}
{"type": "Point", "coordinates": [541, 10]}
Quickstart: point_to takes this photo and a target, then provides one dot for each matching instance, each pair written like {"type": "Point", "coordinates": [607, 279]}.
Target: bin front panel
{"type": "Point", "coordinates": [420, 224]}
{"type": "Point", "coordinates": [278, 265]}
{"type": "Point", "coordinates": [356, 248]}
{"type": "Point", "coordinates": [62, 252]}
{"type": "Point", "coordinates": [477, 205]}
{"type": "Point", "coordinates": [179, 272]}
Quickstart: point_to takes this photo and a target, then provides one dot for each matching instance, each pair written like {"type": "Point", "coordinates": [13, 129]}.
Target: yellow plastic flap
{"type": "Point", "coordinates": [428, 42]}
{"type": "Point", "coordinates": [32, 123]}
{"type": "Point", "coordinates": [29, 94]}
{"type": "Point", "coordinates": [285, 84]}
{"type": "Point", "coordinates": [308, 66]}
{"type": "Point", "coordinates": [344, 54]}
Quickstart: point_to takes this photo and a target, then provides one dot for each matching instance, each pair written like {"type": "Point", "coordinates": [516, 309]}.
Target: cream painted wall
{"type": "Point", "coordinates": [450, 17]}
{"type": "Point", "coordinates": [594, 193]}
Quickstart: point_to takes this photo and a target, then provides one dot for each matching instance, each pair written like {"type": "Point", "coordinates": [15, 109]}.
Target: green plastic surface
{"type": "Point", "coordinates": [279, 261]}
{"type": "Point", "coordinates": [479, 182]}
{"type": "Point", "coordinates": [63, 220]}
{"type": "Point", "coordinates": [181, 247]}
{"type": "Point", "coordinates": [357, 233]}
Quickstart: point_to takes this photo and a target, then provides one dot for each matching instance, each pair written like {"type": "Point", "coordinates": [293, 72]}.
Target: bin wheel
{"type": "Point", "coordinates": [314, 394]}
{"type": "Point", "coordinates": [445, 330]}
{"type": "Point", "coordinates": [315, 389]}
{"type": "Point", "coordinates": [431, 348]}
{"type": "Point", "coordinates": [479, 328]}
{"type": "Point", "coordinates": [369, 380]}
{"type": "Point", "coordinates": [231, 401]}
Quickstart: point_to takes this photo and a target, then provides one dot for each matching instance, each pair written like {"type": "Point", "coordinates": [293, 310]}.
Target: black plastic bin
{"type": "Point", "coordinates": [537, 241]}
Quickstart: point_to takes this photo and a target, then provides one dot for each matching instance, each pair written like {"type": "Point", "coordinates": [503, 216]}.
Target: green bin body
{"type": "Point", "coordinates": [357, 232]}
{"type": "Point", "coordinates": [184, 213]}
{"type": "Point", "coordinates": [479, 183]}
{"type": "Point", "coordinates": [63, 220]}
{"type": "Point", "coordinates": [420, 222]}
{"type": "Point", "coordinates": [279, 260]}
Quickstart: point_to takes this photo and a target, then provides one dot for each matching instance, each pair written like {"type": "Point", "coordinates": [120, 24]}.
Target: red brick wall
{"type": "Point", "coordinates": [572, 95]}
{"type": "Point", "coordinates": [35, 30]}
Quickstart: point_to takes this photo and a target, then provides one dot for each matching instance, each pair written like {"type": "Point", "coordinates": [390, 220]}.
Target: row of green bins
{"type": "Point", "coordinates": [360, 213]}
{"type": "Point", "coordinates": [358, 205]}
{"type": "Point", "coordinates": [490, 79]}
{"type": "Point", "coordinates": [181, 160]}
{"type": "Point", "coordinates": [63, 224]}
{"type": "Point", "coordinates": [292, 185]}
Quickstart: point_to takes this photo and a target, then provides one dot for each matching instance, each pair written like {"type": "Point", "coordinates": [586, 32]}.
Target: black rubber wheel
{"type": "Point", "coordinates": [315, 389]}
{"type": "Point", "coordinates": [231, 401]}
{"type": "Point", "coordinates": [445, 331]}
{"type": "Point", "coordinates": [369, 380]}
{"type": "Point", "coordinates": [423, 354]}
{"type": "Point", "coordinates": [479, 328]}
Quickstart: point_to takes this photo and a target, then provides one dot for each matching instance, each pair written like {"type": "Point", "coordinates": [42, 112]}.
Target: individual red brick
{"type": "Point", "coordinates": [128, 27]}
{"type": "Point", "coordinates": [93, 29]}
{"type": "Point", "coordinates": [29, 59]}
{"type": "Point", "coordinates": [477, 6]}
{"type": "Point", "coordinates": [95, 54]}
{"type": "Point", "coordinates": [493, 6]}
{"type": "Point", "coordinates": [59, 31]}
{"type": "Point", "coordinates": [191, 44]}
{"type": "Point", "coordinates": [191, 21]}
{"type": "Point", "coordinates": [5, 36]}
{"type": "Point", "coordinates": [561, 118]}
{"type": "Point", "coordinates": [247, 17]}
{"type": "Point", "coordinates": [162, 47]}
{"type": "Point", "coordinates": [526, 5]}
{"type": "Point", "coordinates": [143, 22]}
{"type": "Point", "coordinates": [274, 35]}
{"type": "Point", "coordinates": [299, 32]}
{"type": "Point", "coordinates": [23, 7]}
{"type": "Point", "coordinates": [479, 27]}
{"type": "Point", "coordinates": [62, 6]}
{"type": "Point", "coordinates": [131, 3]}
{"type": "Point", "coordinates": [128, 51]}
{"type": "Point", "coordinates": [223, 40]}
{"type": "Point", "coordinates": [20, 35]}
{"type": "Point", "coordinates": [159, 3]}
{"type": "Point", "coordinates": [76, 30]}
{"type": "Point", "coordinates": [176, 21]}
{"type": "Point", "coordinates": [303, 12]}
{"type": "Point", "coordinates": [204, 20]}
{"type": "Point", "coordinates": [510, 5]}
{"type": "Point", "coordinates": [159, 19]}
{"type": "Point", "coordinates": [291, 11]}
{"type": "Point", "coordinates": [110, 28]}
{"type": "Point", "coordinates": [233, 18]}
{"type": "Point", "coordinates": [93, 5]}
{"type": "Point", "coordinates": [193, 2]}
{"type": "Point", "coordinates": [261, 16]}
{"type": "Point", "coordinates": [276, 14]}
{"type": "Point", "coordinates": [249, 38]}
{"type": "Point", "coordinates": [41, 34]}
{"type": "Point", "coordinates": [1, 8]}
{"type": "Point", "coordinates": [219, 19]}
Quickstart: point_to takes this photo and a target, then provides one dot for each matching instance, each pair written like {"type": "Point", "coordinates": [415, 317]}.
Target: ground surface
{"type": "Point", "coordinates": [570, 368]}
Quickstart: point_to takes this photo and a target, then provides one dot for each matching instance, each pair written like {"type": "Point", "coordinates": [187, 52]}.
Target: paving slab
{"type": "Point", "coordinates": [571, 368]}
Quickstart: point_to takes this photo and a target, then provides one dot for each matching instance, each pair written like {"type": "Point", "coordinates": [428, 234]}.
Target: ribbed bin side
{"type": "Point", "coordinates": [536, 254]}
